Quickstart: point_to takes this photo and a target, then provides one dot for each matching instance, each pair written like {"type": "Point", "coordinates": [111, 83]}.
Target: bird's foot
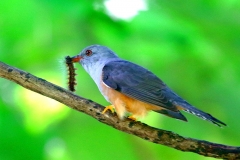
{"type": "Point", "coordinates": [132, 118]}
{"type": "Point", "coordinates": [108, 108]}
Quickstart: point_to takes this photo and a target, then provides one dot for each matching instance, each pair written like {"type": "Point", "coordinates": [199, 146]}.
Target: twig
{"type": "Point", "coordinates": [139, 129]}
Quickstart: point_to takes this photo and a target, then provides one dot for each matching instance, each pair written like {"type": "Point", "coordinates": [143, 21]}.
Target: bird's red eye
{"type": "Point", "coordinates": [88, 52]}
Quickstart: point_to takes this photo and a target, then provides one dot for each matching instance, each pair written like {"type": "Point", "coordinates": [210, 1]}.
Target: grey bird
{"type": "Point", "coordinates": [132, 89]}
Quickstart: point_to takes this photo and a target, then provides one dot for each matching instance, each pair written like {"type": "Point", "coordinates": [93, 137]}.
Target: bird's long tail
{"type": "Point", "coordinates": [206, 116]}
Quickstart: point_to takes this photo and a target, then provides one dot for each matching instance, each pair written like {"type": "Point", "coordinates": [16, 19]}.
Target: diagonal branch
{"type": "Point", "coordinates": [139, 129]}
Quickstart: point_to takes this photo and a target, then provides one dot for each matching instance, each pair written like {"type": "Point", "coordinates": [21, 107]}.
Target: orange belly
{"type": "Point", "coordinates": [124, 104]}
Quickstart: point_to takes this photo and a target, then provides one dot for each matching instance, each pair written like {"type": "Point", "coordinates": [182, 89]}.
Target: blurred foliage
{"type": "Point", "coordinates": [193, 46]}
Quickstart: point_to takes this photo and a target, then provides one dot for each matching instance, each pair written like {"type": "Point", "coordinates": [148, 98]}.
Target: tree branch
{"type": "Point", "coordinates": [139, 129]}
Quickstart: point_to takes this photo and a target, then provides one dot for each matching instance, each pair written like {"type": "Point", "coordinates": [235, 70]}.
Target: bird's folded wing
{"type": "Point", "coordinates": [138, 83]}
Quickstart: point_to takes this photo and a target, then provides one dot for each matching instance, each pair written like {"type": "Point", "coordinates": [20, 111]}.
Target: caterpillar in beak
{"type": "Point", "coordinates": [71, 73]}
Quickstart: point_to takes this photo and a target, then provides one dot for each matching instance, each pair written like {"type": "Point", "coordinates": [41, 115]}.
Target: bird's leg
{"type": "Point", "coordinates": [110, 107]}
{"type": "Point", "coordinates": [132, 118]}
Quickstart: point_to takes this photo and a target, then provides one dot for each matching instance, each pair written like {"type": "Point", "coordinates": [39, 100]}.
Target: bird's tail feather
{"type": "Point", "coordinates": [206, 116]}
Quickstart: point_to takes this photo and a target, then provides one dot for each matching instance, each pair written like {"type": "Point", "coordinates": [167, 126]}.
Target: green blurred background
{"type": "Point", "coordinates": [193, 46]}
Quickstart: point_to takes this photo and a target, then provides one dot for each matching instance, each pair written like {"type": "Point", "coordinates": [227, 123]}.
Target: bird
{"type": "Point", "coordinates": [132, 89]}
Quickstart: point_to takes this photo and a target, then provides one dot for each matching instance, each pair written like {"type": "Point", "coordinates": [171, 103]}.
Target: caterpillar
{"type": "Point", "coordinates": [71, 74]}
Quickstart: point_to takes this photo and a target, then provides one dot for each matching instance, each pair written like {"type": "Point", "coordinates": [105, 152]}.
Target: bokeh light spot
{"type": "Point", "coordinates": [39, 111]}
{"type": "Point", "coordinates": [124, 9]}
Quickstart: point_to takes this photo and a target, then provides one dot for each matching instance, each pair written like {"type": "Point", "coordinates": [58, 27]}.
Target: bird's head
{"type": "Point", "coordinates": [94, 54]}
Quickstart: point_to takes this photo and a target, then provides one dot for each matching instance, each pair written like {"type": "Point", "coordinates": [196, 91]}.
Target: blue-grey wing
{"type": "Point", "coordinates": [138, 83]}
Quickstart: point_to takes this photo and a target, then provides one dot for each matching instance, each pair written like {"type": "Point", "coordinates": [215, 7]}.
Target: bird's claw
{"type": "Point", "coordinates": [132, 118]}
{"type": "Point", "coordinates": [108, 108]}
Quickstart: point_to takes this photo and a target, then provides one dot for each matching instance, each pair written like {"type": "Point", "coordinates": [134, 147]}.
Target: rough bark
{"type": "Point", "coordinates": [139, 129]}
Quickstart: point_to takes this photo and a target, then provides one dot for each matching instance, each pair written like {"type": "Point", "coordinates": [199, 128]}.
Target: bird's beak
{"type": "Point", "coordinates": [76, 58]}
